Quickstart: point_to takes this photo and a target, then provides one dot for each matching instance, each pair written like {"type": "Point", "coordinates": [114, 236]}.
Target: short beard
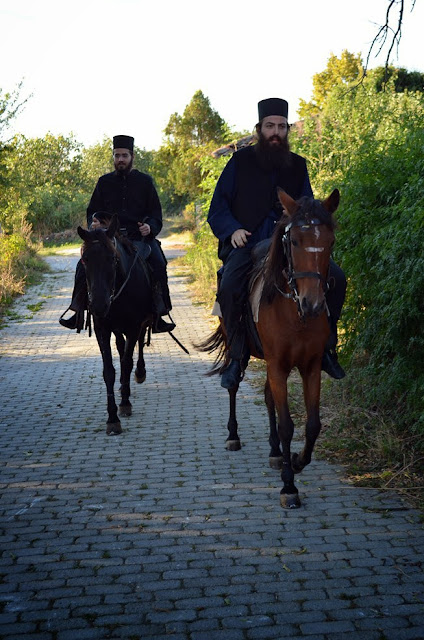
{"type": "Point", "coordinates": [273, 156]}
{"type": "Point", "coordinates": [124, 172]}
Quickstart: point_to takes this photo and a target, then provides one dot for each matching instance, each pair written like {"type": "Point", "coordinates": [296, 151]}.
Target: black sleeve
{"type": "Point", "coordinates": [154, 209]}
{"type": "Point", "coordinates": [95, 204]}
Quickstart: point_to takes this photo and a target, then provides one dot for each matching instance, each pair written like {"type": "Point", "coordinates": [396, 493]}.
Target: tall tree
{"type": "Point", "coordinates": [10, 105]}
{"type": "Point", "coordinates": [339, 71]}
{"type": "Point", "coordinates": [187, 140]}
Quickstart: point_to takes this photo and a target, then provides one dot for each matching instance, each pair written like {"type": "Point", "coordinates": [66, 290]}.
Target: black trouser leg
{"type": "Point", "coordinates": [232, 297]}
{"type": "Point", "coordinates": [160, 290]}
{"type": "Point", "coordinates": [335, 298]}
{"type": "Point", "coordinates": [79, 301]}
{"type": "Point", "coordinates": [158, 264]}
{"type": "Point", "coordinates": [79, 294]}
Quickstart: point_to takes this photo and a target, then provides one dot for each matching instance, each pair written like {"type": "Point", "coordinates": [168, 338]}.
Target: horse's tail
{"type": "Point", "coordinates": [215, 342]}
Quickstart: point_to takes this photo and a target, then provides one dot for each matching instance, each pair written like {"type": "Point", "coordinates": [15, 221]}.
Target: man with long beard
{"type": "Point", "coordinates": [244, 211]}
{"type": "Point", "coordinates": [132, 195]}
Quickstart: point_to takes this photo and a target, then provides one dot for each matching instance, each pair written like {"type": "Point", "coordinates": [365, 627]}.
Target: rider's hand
{"type": "Point", "coordinates": [144, 228]}
{"type": "Point", "coordinates": [240, 238]}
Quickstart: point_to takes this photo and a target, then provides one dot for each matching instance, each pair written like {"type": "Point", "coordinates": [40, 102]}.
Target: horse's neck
{"type": "Point", "coordinates": [124, 258]}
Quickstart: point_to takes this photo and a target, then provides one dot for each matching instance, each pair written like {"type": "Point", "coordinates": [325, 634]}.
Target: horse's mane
{"type": "Point", "coordinates": [275, 262]}
{"type": "Point", "coordinates": [99, 235]}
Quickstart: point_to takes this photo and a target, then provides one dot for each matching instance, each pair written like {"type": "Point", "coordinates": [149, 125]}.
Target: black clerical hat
{"type": "Point", "coordinates": [273, 107]}
{"type": "Point", "coordinates": [123, 142]}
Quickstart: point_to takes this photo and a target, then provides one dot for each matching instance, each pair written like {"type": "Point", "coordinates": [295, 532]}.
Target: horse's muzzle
{"type": "Point", "coordinates": [311, 308]}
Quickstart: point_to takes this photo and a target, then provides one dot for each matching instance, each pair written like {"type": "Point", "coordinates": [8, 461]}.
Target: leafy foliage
{"type": "Point", "coordinates": [45, 191]}
{"type": "Point", "coordinates": [339, 71]}
{"type": "Point", "coordinates": [369, 144]}
{"type": "Point", "coordinates": [188, 138]}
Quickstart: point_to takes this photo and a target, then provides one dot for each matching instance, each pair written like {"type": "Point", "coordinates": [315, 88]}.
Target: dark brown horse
{"type": "Point", "coordinates": [120, 301]}
{"type": "Point", "coordinates": [293, 329]}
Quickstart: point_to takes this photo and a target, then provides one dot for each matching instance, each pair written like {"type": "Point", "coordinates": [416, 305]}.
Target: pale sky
{"type": "Point", "coordinates": [104, 67]}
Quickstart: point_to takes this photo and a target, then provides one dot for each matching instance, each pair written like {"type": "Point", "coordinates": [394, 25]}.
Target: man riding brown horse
{"type": "Point", "coordinates": [244, 211]}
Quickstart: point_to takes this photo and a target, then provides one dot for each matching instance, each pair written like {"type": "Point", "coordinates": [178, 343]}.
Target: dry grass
{"type": "Point", "coordinates": [370, 444]}
{"type": "Point", "coordinates": [19, 266]}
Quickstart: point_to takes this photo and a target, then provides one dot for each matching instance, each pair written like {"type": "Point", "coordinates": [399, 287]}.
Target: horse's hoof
{"type": "Point", "coordinates": [125, 410]}
{"type": "Point", "coordinates": [113, 428]}
{"type": "Point", "coordinates": [233, 445]}
{"type": "Point", "coordinates": [140, 376]}
{"type": "Point", "coordinates": [290, 500]}
{"type": "Point", "coordinates": [276, 462]}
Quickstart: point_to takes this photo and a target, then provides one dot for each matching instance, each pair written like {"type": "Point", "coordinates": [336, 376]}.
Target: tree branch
{"type": "Point", "coordinates": [385, 31]}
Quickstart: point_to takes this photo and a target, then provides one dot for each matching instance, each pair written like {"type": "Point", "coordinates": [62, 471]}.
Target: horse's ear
{"type": "Point", "coordinates": [83, 233]}
{"type": "Point", "coordinates": [289, 205]}
{"type": "Point", "coordinates": [113, 226]}
{"type": "Point", "coordinates": [332, 202]}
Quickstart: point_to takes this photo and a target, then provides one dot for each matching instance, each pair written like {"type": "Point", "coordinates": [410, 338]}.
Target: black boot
{"type": "Point", "coordinates": [231, 376]}
{"type": "Point", "coordinates": [160, 308]}
{"type": "Point", "coordinates": [331, 365]}
{"type": "Point", "coordinates": [161, 326]}
{"type": "Point", "coordinates": [69, 323]}
{"type": "Point", "coordinates": [74, 322]}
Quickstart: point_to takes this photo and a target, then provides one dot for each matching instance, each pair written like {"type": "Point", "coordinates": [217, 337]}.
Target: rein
{"type": "Point", "coordinates": [289, 273]}
{"type": "Point", "coordinates": [113, 295]}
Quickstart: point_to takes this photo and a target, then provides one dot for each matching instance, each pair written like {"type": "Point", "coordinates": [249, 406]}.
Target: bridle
{"type": "Point", "coordinates": [113, 296]}
{"type": "Point", "coordinates": [289, 273]}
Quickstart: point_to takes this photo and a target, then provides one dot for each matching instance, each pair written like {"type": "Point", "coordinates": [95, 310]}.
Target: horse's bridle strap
{"type": "Point", "coordinates": [306, 274]}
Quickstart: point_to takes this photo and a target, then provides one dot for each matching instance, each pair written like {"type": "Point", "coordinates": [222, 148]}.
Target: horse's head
{"type": "Point", "coordinates": [307, 233]}
{"type": "Point", "coordinates": [99, 257]}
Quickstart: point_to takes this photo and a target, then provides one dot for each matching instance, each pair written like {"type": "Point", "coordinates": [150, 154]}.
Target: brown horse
{"type": "Point", "coordinates": [293, 329]}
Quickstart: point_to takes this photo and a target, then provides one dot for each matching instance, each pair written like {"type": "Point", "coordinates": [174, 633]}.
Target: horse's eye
{"type": "Point", "coordinates": [295, 243]}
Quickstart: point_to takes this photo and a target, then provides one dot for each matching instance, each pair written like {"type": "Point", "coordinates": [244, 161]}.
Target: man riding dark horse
{"type": "Point", "coordinates": [130, 194]}
{"type": "Point", "coordinates": [243, 212]}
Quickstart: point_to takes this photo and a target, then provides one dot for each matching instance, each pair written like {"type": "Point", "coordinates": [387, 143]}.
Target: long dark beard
{"type": "Point", "coordinates": [272, 156]}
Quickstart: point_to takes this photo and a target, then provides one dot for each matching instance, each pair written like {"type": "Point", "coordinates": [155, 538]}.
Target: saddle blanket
{"type": "Point", "coordinates": [255, 294]}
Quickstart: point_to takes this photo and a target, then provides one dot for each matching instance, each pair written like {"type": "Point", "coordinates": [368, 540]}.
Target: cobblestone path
{"type": "Point", "coordinates": [160, 532]}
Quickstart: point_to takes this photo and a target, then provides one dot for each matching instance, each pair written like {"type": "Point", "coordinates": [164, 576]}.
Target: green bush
{"type": "Point", "coordinates": [371, 148]}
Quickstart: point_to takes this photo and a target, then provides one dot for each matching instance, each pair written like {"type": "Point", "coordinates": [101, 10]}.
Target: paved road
{"type": "Point", "coordinates": [161, 533]}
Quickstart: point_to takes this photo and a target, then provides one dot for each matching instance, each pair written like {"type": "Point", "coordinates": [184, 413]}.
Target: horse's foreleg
{"type": "Point", "coordinates": [127, 363]}
{"type": "Point", "coordinates": [275, 455]}
{"type": "Point", "coordinates": [289, 495]}
{"type": "Point", "coordinates": [120, 343]}
{"type": "Point", "coordinates": [140, 370]}
{"type": "Point", "coordinates": [311, 392]}
{"type": "Point", "coordinates": [113, 425]}
{"type": "Point", "coordinates": [233, 441]}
